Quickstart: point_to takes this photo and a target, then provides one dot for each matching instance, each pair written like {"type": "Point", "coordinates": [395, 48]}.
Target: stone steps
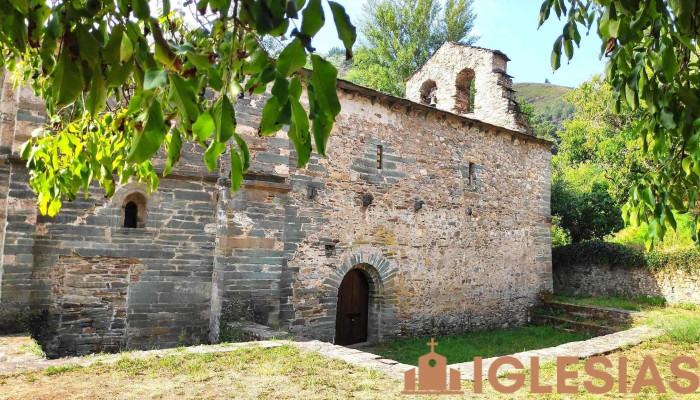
{"type": "Point", "coordinates": [587, 319]}
{"type": "Point", "coordinates": [571, 326]}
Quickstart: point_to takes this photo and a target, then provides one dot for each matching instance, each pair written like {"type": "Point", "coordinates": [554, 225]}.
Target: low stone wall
{"type": "Point", "coordinates": [675, 285]}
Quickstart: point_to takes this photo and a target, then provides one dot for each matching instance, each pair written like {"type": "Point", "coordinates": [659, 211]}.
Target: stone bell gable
{"type": "Point", "coordinates": [469, 81]}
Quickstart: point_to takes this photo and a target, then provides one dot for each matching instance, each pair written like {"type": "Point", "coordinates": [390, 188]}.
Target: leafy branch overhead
{"type": "Point", "coordinates": [122, 80]}
{"type": "Point", "coordinates": [654, 67]}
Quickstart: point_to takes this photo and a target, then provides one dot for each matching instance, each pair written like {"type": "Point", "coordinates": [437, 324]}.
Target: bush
{"type": "Point", "coordinates": [586, 214]}
{"type": "Point", "coordinates": [617, 255]}
{"type": "Point", "coordinates": [597, 252]}
{"type": "Point", "coordinates": [686, 259]}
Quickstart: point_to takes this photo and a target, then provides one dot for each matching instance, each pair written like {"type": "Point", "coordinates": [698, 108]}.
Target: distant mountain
{"type": "Point", "coordinates": [547, 99]}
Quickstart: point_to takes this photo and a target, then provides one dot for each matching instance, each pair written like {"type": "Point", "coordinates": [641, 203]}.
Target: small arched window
{"type": "Point", "coordinates": [428, 93]}
{"type": "Point", "coordinates": [131, 212]}
{"type": "Point", "coordinates": [466, 90]}
{"type": "Point", "coordinates": [134, 211]}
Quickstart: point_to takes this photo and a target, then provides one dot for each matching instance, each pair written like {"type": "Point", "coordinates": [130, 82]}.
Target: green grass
{"type": "Point", "coordinates": [34, 348]}
{"type": "Point", "coordinates": [631, 304]}
{"type": "Point", "coordinates": [680, 326]}
{"type": "Point", "coordinates": [464, 347]}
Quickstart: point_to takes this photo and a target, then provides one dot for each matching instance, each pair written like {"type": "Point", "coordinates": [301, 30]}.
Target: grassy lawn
{"type": "Point", "coordinates": [462, 348]}
{"type": "Point", "coordinates": [632, 304]}
{"type": "Point", "coordinates": [284, 372]}
{"type": "Point", "coordinates": [274, 373]}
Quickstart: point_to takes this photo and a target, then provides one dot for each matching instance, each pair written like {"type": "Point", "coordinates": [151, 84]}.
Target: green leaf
{"type": "Point", "coordinates": [669, 62]}
{"type": "Point", "coordinates": [648, 197]}
{"type": "Point", "coordinates": [183, 96]}
{"type": "Point", "coordinates": [686, 165]}
{"type": "Point", "coordinates": [224, 119]}
{"type": "Point", "coordinates": [299, 133]}
{"type": "Point", "coordinates": [203, 127]}
{"type": "Point", "coordinates": [671, 221]}
{"type": "Point", "coordinates": [346, 30]}
{"type": "Point", "coordinates": [211, 156]}
{"type": "Point", "coordinates": [68, 82]}
{"type": "Point", "coordinates": [201, 62]}
{"type": "Point", "coordinates": [269, 124]}
{"type": "Point", "coordinates": [667, 119]}
{"type": "Point", "coordinates": [21, 6]}
{"type": "Point", "coordinates": [313, 18]}
{"type": "Point", "coordinates": [322, 127]}
{"type": "Point", "coordinates": [325, 79]}
{"type": "Point", "coordinates": [126, 49]}
{"type": "Point", "coordinates": [147, 141]}
{"type": "Point", "coordinates": [245, 153]}
{"type": "Point", "coordinates": [291, 59]}
{"type": "Point", "coordinates": [236, 171]}
{"type": "Point", "coordinates": [174, 149]}
{"type": "Point", "coordinates": [119, 73]}
{"type": "Point", "coordinates": [96, 99]}
{"type": "Point", "coordinates": [141, 9]}
{"type": "Point", "coordinates": [25, 149]}
{"type": "Point", "coordinates": [569, 49]}
{"type": "Point", "coordinates": [155, 77]}
{"type": "Point", "coordinates": [556, 55]}
{"type": "Point", "coordinates": [295, 88]}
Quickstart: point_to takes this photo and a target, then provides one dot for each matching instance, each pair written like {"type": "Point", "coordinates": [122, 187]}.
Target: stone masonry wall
{"type": "Point", "coordinates": [452, 232]}
{"type": "Point", "coordinates": [494, 98]}
{"type": "Point", "coordinates": [676, 286]}
{"type": "Point", "coordinates": [473, 257]}
{"type": "Point", "coordinates": [89, 304]}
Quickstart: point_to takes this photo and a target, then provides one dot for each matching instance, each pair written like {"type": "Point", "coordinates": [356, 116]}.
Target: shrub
{"type": "Point", "coordinates": [597, 252]}
{"type": "Point", "coordinates": [617, 255]}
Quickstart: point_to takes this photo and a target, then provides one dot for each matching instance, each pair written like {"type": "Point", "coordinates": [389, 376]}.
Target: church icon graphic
{"type": "Point", "coordinates": [432, 375]}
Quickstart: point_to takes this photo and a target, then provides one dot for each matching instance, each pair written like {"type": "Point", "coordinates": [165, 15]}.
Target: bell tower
{"type": "Point", "coordinates": [469, 81]}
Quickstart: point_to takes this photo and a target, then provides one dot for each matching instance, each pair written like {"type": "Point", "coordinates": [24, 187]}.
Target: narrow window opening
{"type": "Point", "coordinates": [470, 177]}
{"type": "Point", "coordinates": [380, 154]}
{"type": "Point", "coordinates": [131, 212]}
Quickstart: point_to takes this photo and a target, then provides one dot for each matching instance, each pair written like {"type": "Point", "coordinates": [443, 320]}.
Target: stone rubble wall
{"type": "Point", "coordinates": [676, 286]}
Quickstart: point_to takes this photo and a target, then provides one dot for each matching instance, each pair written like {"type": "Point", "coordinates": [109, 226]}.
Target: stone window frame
{"type": "Point", "coordinates": [139, 200]}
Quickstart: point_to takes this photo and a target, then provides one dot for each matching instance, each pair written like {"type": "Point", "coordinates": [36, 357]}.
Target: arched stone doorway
{"type": "Point", "coordinates": [352, 311]}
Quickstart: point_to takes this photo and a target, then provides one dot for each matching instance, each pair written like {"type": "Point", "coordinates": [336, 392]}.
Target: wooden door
{"type": "Point", "coordinates": [353, 302]}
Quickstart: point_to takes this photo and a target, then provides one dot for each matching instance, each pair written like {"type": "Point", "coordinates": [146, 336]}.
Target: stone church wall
{"type": "Point", "coordinates": [455, 237]}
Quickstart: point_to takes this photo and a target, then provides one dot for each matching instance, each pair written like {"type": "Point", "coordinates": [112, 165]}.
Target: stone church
{"type": "Point", "coordinates": [430, 215]}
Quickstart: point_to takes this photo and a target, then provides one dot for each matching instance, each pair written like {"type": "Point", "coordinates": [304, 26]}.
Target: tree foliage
{"type": "Point", "coordinates": [122, 80]}
{"type": "Point", "coordinates": [653, 67]}
{"type": "Point", "coordinates": [588, 214]}
{"type": "Point", "coordinates": [400, 35]}
{"type": "Point", "coordinates": [598, 136]}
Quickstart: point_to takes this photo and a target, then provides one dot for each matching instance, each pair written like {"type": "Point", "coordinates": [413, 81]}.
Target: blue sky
{"type": "Point", "coordinates": [510, 26]}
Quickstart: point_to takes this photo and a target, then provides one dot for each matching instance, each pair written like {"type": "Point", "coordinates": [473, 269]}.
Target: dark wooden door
{"type": "Point", "coordinates": [353, 301]}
